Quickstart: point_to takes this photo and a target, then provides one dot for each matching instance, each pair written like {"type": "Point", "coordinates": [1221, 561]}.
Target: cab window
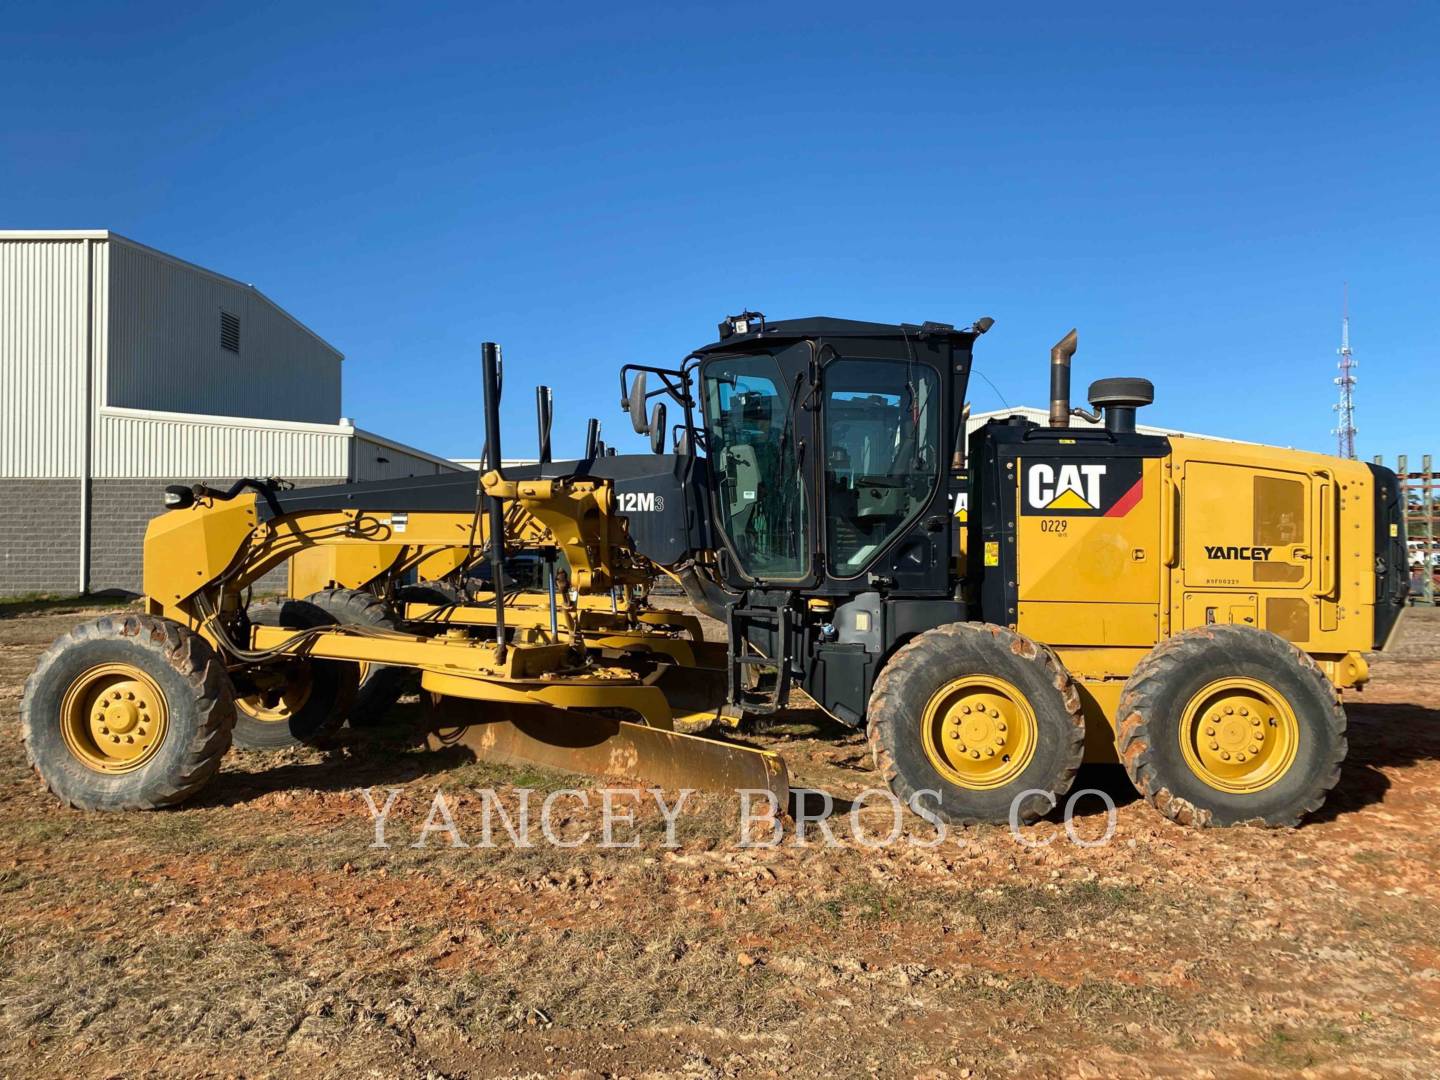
{"type": "Point", "coordinates": [882, 451]}
{"type": "Point", "coordinates": [760, 493]}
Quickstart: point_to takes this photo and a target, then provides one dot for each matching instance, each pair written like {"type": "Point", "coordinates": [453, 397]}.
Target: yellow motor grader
{"type": "Point", "coordinates": [409, 582]}
{"type": "Point", "coordinates": [1189, 607]}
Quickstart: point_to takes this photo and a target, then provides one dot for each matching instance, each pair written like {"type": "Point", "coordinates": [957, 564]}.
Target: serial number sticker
{"type": "Point", "coordinates": [399, 522]}
{"type": "Point", "coordinates": [992, 552]}
{"type": "Point", "coordinates": [748, 494]}
{"type": "Point", "coordinates": [1394, 529]}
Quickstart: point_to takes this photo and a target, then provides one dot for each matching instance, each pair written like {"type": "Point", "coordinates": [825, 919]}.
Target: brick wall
{"type": "Point", "coordinates": [39, 536]}
{"type": "Point", "coordinates": [120, 510]}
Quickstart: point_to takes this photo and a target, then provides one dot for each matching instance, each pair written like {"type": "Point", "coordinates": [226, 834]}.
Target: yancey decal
{"type": "Point", "coordinates": [1108, 488]}
{"type": "Point", "coordinates": [1230, 551]}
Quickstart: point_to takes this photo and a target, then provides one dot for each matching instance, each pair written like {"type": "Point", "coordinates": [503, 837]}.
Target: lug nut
{"type": "Point", "coordinates": [1224, 755]}
{"type": "Point", "coordinates": [1254, 750]}
{"type": "Point", "coordinates": [1229, 711]}
{"type": "Point", "coordinates": [1001, 726]}
{"type": "Point", "coordinates": [965, 709]}
{"type": "Point", "coordinates": [1209, 731]}
{"type": "Point", "coordinates": [1254, 721]}
{"type": "Point", "coordinates": [1240, 758]}
{"type": "Point", "coordinates": [975, 754]}
{"type": "Point", "coordinates": [989, 751]}
{"type": "Point", "coordinates": [1214, 746]}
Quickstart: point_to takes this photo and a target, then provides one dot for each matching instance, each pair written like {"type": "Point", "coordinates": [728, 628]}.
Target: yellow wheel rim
{"type": "Point", "coordinates": [113, 718]}
{"type": "Point", "coordinates": [1239, 735]}
{"type": "Point", "coordinates": [979, 732]}
{"type": "Point", "coordinates": [279, 694]}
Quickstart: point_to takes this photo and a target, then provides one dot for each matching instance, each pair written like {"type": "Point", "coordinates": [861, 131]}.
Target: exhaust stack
{"type": "Point", "coordinates": [1060, 356]}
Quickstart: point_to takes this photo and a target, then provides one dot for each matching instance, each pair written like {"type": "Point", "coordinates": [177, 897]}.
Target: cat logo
{"type": "Point", "coordinates": [1082, 487]}
{"type": "Point", "coordinates": [1068, 487]}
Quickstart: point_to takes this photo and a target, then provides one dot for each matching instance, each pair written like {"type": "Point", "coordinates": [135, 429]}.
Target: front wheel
{"type": "Point", "coordinates": [1231, 725]}
{"type": "Point", "coordinates": [128, 712]}
{"type": "Point", "coordinates": [295, 700]}
{"type": "Point", "coordinates": [381, 685]}
{"type": "Point", "coordinates": [981, 715]}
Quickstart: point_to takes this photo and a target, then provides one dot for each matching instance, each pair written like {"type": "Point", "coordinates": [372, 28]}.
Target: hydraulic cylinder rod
{"type": "Point", "coordinates": [490, 362]}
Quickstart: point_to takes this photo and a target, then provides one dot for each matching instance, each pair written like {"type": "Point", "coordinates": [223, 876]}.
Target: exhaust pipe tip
{"type": "Point", "coordinates": [1060, 355]}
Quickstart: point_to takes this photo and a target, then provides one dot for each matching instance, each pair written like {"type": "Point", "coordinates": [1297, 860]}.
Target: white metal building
{"type": "Point", "coordinates": [123, 369]}
{"type": "Point", "coordinates": [1042, 417]}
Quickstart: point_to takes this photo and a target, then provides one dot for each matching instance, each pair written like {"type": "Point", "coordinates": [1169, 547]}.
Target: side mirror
{"type": "Point", "coordinates": [657, 428]}
{"type": "Point", "coordinates": [636, 405]}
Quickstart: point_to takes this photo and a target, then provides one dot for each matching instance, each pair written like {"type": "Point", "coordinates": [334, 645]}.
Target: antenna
{"type": "Point", "coordinates": [1344, 431]}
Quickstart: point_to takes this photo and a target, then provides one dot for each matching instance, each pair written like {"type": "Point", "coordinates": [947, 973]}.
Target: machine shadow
{"type": "Point", "coordinates": [391, 752]}
{"type": "Point", "coordinates": [1382, 735]}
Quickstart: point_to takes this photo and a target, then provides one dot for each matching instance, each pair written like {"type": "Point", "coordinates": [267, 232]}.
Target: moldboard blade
{"type": "Point", "coordinates": [578, 742]}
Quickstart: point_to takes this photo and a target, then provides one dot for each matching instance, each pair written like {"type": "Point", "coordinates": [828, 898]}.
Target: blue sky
{"type": "Point", "coordinates": [590, 184]}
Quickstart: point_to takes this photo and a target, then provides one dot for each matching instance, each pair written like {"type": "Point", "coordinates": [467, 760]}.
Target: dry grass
{"type": "Point", "coordinates": [258, 932]}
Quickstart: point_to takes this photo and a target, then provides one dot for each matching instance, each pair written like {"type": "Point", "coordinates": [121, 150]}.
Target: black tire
{"type": "Point", "coordinates": [194, 734]}
{"type": "Point", "coordinates": [329, 686]}
{"type": "Point", "coordinates": [438, 595]}
{"type": "Point", "coordinates": [1172, 680]}
{"type": "Point", "coordinates": [432, 593]}
{"type": "Point", "coordinates": [381, 685]}
{"type": "Point", "coordinates": [925, 668]}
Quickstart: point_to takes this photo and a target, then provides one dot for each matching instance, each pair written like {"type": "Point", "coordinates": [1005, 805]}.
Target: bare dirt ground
{"type": "Point", "coordinates": [258, 932]}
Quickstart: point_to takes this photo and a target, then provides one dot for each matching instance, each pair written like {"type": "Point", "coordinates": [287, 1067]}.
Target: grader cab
{"type": "Point", "coordinates": [1189, 607]}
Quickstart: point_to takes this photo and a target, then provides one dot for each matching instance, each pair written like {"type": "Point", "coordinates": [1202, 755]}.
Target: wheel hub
{"type": "Point", "coordinates": [979, 732]}
{"type": "Point", "coordinates": [1239, 735]}
{"type": "Point", "coordinates": [113, 718]}
{"type": "Point", "coordinates": [278, 694]}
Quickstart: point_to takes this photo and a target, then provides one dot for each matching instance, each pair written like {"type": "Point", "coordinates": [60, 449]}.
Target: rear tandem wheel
{"type": "Point", "coordinates": [982, 715]}
{"type": "Point", "coordinates": [1231, 725]}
